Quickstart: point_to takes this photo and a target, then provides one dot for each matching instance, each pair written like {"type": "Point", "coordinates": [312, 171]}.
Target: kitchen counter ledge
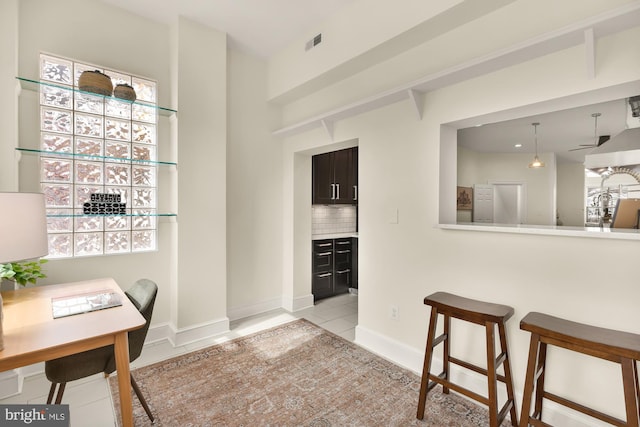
{"type": "Point", "coordinates": [334, 236]}
{"type": "Point", "coordinates": [548, 230]}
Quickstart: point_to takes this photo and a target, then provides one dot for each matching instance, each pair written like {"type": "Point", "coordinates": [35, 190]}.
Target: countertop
{"type": "Point", "coordinates": [334, 235]}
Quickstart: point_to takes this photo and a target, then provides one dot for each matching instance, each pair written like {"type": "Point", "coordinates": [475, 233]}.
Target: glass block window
{"type": "Point", "coordinates": [93, 147]}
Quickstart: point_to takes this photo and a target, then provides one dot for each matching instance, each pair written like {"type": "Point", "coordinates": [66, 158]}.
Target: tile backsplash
{"type": "Point", "coordinates": [333, 219]}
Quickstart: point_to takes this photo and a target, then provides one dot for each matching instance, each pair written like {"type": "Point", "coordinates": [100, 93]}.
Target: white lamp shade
{"type": "Point", "coordinates": [23, 227]}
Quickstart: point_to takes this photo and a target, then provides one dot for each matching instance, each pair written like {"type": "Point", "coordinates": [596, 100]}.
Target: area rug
{"type": "Point", "coordinates": [296, 374]}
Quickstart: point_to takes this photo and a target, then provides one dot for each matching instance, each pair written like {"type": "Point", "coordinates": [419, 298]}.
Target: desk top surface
{"type": "Point", "coordinates": [31, 333]}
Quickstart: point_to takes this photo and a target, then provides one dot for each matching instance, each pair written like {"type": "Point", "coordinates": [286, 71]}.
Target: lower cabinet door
{"type": "Point", "coordinates": [342, 281]}
{"type": "Point", "coordinates": [322, 285]}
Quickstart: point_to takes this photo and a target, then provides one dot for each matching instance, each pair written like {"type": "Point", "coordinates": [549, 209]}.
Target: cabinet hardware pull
{"type": "Point", "coordinates": [324, 275]}
{"type": "Point", "coordinates": [346, 251]}
{"type": "Point", "coordinates": [338, 186]}
{"type": "Point", "coordinates": [355, 192]}
{"type": "Point", "coordinates": [343, 242]}
{"type": "Point", "coordinates": [333, 191]}
{"type": "Point", "coordinates": [322, 245]}
{"type": "Point", "coordinates": [323, 254]}
{"type": "Point", "coordinates": [343, 271]}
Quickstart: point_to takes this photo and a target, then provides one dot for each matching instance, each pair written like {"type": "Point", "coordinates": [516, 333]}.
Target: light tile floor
{"type": "Point", "coordinates": [90, 401]}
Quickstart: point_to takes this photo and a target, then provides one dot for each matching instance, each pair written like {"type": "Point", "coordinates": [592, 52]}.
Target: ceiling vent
{"type": "Point", "coordinates": [313, 42]}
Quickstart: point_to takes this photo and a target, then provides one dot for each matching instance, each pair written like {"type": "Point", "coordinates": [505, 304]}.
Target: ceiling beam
{"type": "Point", "coordinates": [328, 127]}
{"type": "Point", "coordinates": [417, 99]}
{"type": "Point", "coordinates": [590, 52]}
{"type": "Point", "coordinates": [611, 22]}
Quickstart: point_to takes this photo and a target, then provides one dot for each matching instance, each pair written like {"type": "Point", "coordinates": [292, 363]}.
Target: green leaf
{"type": "Point", "coordinates": [23, 272]}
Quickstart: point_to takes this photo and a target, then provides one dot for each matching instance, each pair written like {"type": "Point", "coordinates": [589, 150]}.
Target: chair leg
{"type": "Point", "coordinates": [141, 398]}
{"type": "Point", "coordinates": [52, 390]}
{"type": "Point", "coordinates": [60, 393]}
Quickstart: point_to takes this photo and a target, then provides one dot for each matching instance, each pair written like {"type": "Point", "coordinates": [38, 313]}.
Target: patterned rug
{"type": "Point", "coordinates": [296, 374]}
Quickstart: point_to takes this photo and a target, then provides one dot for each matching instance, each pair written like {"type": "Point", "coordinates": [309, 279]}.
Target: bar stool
{"type": "Point", "coordinates": [607, 344]}
{"type": "Point", "coordinates": [482, 313]}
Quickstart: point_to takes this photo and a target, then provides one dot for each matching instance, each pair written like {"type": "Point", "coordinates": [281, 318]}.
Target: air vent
{"type": "Point", "coordinates": [313, 42]}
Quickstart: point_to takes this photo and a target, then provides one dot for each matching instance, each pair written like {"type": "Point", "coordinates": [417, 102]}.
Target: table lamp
{"type": "Point", "coordinates": [23, 231]}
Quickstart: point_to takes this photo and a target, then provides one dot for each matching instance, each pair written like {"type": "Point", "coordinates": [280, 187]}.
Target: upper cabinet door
{"type": "Point", "coordinates": [333, 178]}
{"type": "Point", "coordinates": [354, 175]}
{"type": "Point", "coordinates": [342, 176]}
{"type": "Point", "coordinates": [323, 186]}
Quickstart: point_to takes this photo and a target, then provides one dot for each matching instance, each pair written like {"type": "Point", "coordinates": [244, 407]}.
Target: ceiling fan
{"type": "Point", "coordinates": [598, 140]}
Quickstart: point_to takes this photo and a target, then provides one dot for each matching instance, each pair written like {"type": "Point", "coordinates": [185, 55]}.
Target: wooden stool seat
{"type": "Point", "coordinates": [468, 309]}
{"type": "Point", "coordinates": [482, 313]}
{"type": "Point", "coordinates": [615, 346]}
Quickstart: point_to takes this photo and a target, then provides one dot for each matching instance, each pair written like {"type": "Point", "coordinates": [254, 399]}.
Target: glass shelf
{"type": "Point", "coordinates": [93, 156]}
{"type": "Point", "coordinates": [92, 215]}
{"type": "Point", "coordinates": [34, 85]}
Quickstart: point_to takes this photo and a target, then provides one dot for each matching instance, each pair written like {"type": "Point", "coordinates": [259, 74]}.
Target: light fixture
{"type": "Point", "coordinates": [536, 163]}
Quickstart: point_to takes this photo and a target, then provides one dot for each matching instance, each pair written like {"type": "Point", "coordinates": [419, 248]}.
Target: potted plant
{"type": "Point", "coordinates": [23, 272]}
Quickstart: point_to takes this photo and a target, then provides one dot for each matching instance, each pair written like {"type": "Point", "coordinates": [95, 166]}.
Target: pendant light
{"type": "Point", "coordinates": [536, 163]}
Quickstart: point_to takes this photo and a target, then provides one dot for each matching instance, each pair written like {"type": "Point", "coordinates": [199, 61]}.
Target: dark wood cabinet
{"type": "Point", "coordinates": [342, 261]}
{"type": "Point", "coordinates": [354, 175]}
{"type": "Point", "coordinates": [354, 262]}
{"type": "Point", "coordinates": [332, 267]}
{"type": "Point", "coordinates": [334, 179]}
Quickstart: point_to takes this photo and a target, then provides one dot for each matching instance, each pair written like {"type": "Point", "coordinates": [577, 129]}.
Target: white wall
{"type": "Point", "coordinates": [8, 86]}
{"type": "Point", "coordinates": [401, 263]}
{"type": "Point", "coordinates": [201, 80]}
{"type": "Point", "coordinates": [254, 196]}
{"type": "Point", "coordinates": [571, 194]}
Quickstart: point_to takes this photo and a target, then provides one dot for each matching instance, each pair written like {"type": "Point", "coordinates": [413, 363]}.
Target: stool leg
{"type": "Point", "coordinates": [630, 384]}
{"type": "Point", "coordinates": [507, 374]}
{"type": "Point", "coordinates": [492, 374]}
{"type": "Point", "coordinates": [529, 379]}
{"type": "Point", "coordinates": [426, 368]}
{"type": "Point", "coordinates": [445, 351]}
{"type": "Point", "coordinates": [635, 375]}
{"type": "Point", "coordinates": [541, 369]}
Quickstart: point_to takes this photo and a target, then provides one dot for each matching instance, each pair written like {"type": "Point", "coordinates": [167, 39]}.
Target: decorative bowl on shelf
{"type": "Point", "coordinates": [95, 82]}
{"type": "Point", "coordinates": [124, 91]}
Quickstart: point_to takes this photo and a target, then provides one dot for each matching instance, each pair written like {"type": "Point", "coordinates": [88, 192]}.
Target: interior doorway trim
{"type": "Point", "coordinates": [521, 196]}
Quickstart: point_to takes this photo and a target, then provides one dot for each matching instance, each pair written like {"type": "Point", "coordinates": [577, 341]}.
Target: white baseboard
{"type": "Point", "coordinates": [412, 359]}
{"type": "Point", "coordinates": [194, 333]}
{"type": "Point", "coordinates": [298, 303]}
{"type": "Point", "coordinates": [235, 313]}
{"type": "Point", "coordinates": [10, 383]}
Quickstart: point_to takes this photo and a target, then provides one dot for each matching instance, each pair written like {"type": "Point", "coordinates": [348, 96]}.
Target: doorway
{"type": "Point", "coordinates": [500, 202]}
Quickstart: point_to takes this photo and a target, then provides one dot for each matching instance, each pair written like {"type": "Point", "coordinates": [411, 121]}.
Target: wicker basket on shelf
{"type": "Point", "coordinates": [95, 82]}
{"type": "Point", "coordinates": [124, 91]}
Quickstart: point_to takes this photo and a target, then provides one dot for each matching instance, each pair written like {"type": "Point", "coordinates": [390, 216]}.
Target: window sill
{"type": "Point", "coordinates": [548, 230]}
